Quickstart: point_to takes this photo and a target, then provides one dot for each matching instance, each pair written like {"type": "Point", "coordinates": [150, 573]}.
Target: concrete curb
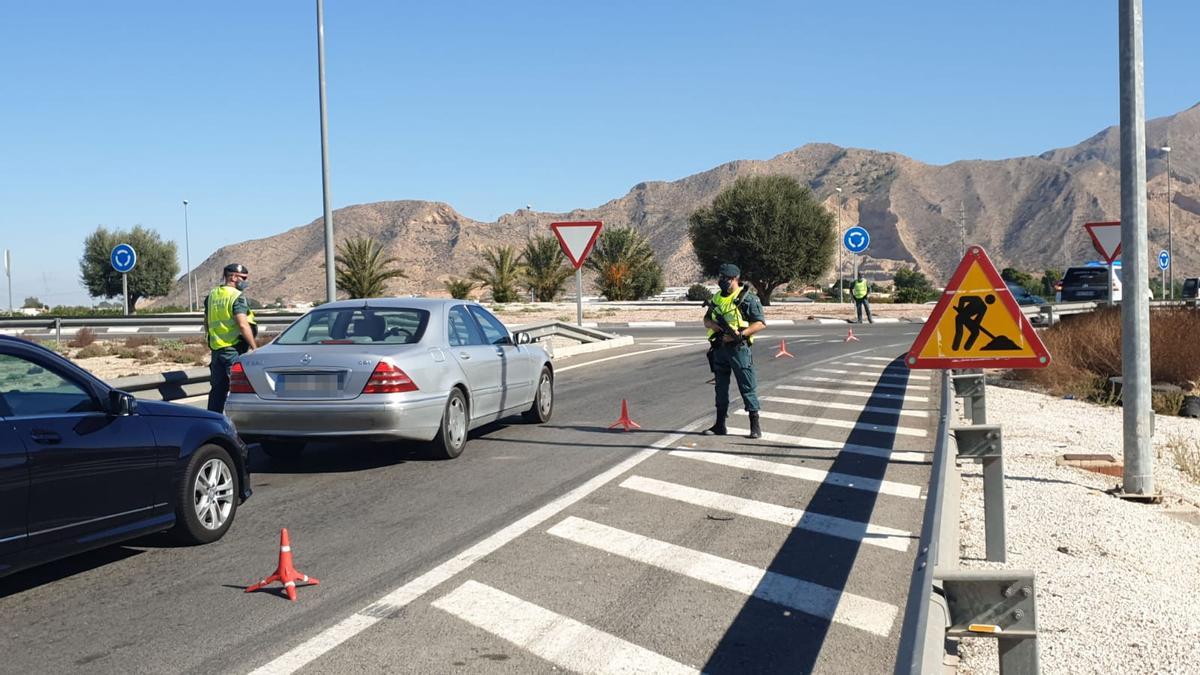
{"type": "Point", "coordinates": [587, 347]}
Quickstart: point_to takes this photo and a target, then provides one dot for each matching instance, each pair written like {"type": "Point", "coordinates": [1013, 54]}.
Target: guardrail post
{"type": "Point", "coordinates": [984, 443]}
{"type": "Point", "coordinates": [999, 604]}
{"type": "Point", "coordinates": [58, 332]}
{"type": "Point", "coordinates": [971, 385]}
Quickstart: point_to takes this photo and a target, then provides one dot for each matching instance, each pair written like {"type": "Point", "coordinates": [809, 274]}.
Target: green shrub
{"type": "Point", "coordinates": [698, 293]}
{"type": "Point", "coordinates": [91, 351]}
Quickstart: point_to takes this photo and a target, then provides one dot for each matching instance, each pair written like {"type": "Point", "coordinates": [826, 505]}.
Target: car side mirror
{"type": "Point", "coordinates": [121, 404]}
{"type": "Point", "coordinates": [523, 338]}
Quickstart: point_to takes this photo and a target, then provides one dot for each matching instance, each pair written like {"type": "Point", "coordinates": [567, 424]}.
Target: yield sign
{"type": "Point", "coordinates": [577, 239]}
{"type": "Point", "coordinates": [977, 324]}
{"type": "Point", "coordinates": [1106, 237]}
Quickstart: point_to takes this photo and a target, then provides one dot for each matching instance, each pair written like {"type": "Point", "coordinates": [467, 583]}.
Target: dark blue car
{"type": "Point", "coordinates": [83, 465]}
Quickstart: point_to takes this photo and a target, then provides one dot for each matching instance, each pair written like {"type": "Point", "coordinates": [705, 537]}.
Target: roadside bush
{"type": "Point", "coordinates": [135, 341]}
{"type": "Point", "coordinates": [83, 338]}
{"type": "Point", "coordinates": [92, 351]}
{"type": "Point", "coordinates": [698, 293]}
{"type": "Point", "coordinates": [170, 345]}
{"type": "Point", "coordinates": [1085, 351]}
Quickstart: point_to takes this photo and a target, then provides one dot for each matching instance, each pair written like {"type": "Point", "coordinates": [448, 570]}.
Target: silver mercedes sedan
{"type": "Point", "coordinates": [396, 368]}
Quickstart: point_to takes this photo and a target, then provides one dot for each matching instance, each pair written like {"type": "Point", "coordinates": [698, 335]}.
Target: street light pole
{"type": "Point", "coordinates": [1170, 237]}
{"type": "Point", "coordinates": [330, 284]}
{"type": "Point", "coordinates": [838, 243]}
{"type": "Point", "coordinates": [1135, 308]}
{"type": "Point", "coordinates": [187, 258]}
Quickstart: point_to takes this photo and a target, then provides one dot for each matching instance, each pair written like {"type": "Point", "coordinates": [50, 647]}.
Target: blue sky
{"type": "Point", "coordinates": [115, 112]}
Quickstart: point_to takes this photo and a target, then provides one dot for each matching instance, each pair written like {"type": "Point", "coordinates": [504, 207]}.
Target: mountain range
{"type": "Point", "coordinates": [1027, 212]}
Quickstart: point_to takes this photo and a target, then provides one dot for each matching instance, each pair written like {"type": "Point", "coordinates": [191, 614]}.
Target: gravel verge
{"type": "Point", "coordinates": [1116, 581]}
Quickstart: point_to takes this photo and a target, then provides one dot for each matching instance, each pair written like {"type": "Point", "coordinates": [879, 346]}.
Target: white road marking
{"type": "Point", "coordinates": [563, 641]}
{"type": "Point", "coordinates": [121, 329]}
{"type": "Point", "coordinates": [846, 406]}
{"type": "Point", "coordinates": [804, 473]}
{"type": "Point", "coordinates": [875, 535]}
{"type": "Point", "coordinates": [851, 392]}
{"type": "Point", "coordinates": [651, 324]}
{"type": "Point", "coordinates": [852, 448]}
{"type": "Point", "coordinates": [879, 358]}
{"type": "Point", "coordinates": [619, 356]}
{"type": "Point", "coordinates": [828, 321]}
{"type": "Point", "coordinates": [852, 610]}
{"type": "Point", "coordinates": [867, 366]}
{"type": "Point", "coordinates": [841, 424]}
{"type": "Point", "coordinates": [185, 329]}
{"type": "Point", "coordinates": [897, 376]}
{"type": "Point", "coordinates": [864, 383]}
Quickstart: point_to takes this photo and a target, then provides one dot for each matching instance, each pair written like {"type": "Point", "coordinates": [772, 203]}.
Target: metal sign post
{"type": "Point", "coordinates": [123, 259]}
{"type": "Point", "coordinates": [577, 240]}
{"type": "Point", "coordinates": [8, 273]}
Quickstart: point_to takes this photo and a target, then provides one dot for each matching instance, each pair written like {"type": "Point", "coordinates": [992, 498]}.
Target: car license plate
{"type": "Point", "coordinates": [306, 383]}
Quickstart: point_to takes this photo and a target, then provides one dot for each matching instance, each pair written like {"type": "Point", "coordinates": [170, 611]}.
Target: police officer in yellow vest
{"type": "Point", "coordinates": [859, 291]}
{"type": "Point", "coordinates": [230, 327]}
{"type": "Point", "coordinates": [733, 318]}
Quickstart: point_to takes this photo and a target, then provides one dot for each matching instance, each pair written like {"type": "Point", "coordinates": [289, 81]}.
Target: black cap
{"type": "Point", "coordinates": [729, 270]}
{"type": "Point", "coordinates": [235, 268]}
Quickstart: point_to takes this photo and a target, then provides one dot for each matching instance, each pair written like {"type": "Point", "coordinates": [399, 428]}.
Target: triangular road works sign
{"type": "Point", "coordinates": [977, 324]}
{"type": "Point", "coordinates": [577, 239]}
{"type": "Point", "coordinates": [1106, 237]}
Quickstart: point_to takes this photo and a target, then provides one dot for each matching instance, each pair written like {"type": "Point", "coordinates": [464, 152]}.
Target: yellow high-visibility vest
{"type": "Point", "coordinates": [726, 306]}
{"type": "Point", "coordinates": [223, 330]}
{"type": "Point", "coordinates": [859, 291]}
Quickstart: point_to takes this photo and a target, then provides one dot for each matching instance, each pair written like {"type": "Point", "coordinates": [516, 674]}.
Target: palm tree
{"type": "Point", "coordinates": [624, 265]}
{"type": "Point", "coordinates": [459, 289]}
{"type": "Point", "coordinates": [500, 273]}
{"type": "Point", "coordinates": [362, 271]}
{"type": "Point", "coordinates": [546, 270]}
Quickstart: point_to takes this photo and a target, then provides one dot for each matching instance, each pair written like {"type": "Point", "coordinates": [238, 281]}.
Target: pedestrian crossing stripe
{"type": "Point", "coordinates": [977, 324]}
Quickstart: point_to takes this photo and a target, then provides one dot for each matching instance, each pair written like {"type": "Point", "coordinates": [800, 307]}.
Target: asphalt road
{"type": "Point", "coordinates": [562, 546]}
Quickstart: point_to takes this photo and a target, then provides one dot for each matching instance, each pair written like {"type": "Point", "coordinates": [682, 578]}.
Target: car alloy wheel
{"type": "Point", "coordinates": [545, 395]}
{"type": "Point", "coordinates": [456, 422]}
{"type": "Point", "coordinates": [213, 494]}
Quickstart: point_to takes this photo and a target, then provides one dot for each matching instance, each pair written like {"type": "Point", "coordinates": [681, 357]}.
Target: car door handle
{"type": "Point", "coordinates": [45, 437]}
{"type": "Point", "coordinates": [464, 356]}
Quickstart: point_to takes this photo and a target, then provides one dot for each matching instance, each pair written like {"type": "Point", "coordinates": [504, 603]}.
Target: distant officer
{"type": "Point", "coordinates": [859, 291]}
{"type": "Point", "coordinates": [734, 316]}
{"type": "Point", "coordinates": [230, 327]}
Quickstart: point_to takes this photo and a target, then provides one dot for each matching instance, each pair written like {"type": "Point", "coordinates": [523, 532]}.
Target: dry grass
{"type": "Point", "coordinates": [83, 338]}
{"type": "Point", "coordinates": [135, 341]}
{"type": "Point", "coordinates": [1185, 452]}
{"type": "Point", "coordinates": [1086, 351]}
{"type": "Point", "coordinates": [91, 351]}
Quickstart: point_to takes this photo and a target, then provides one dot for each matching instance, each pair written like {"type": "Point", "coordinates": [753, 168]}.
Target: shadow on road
{"type": "Point", "coordinates": [63, 569]}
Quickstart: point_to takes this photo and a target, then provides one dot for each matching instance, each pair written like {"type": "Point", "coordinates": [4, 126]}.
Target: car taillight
{"type": "Point", "coordinates": [238, 382]}
{"type": "Point", "coordinates": [388, 379]}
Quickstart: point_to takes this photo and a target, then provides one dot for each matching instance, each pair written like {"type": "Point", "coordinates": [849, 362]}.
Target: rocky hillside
{"type": "Point", "coordinates": [1028, 212]}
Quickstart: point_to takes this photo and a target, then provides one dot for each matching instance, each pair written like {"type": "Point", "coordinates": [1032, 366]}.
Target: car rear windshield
{"type": "Point", "coordinates": [356, 326]}
{"type": "Point", "coordinates": [1086, 275]}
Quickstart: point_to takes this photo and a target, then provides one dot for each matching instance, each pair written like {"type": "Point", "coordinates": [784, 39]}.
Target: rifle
{"type": "Point", "coordinates": [717, 338]}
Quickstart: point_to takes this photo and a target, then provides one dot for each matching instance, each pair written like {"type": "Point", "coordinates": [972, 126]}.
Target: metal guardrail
{"type": "Point", "coordinates": [945, 601]}
{"type": "Point", "coordinates": [545, 329]}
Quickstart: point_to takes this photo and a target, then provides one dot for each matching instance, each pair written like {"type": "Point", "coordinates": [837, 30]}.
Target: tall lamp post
{"type": "Point", "coordinates": [187, 259]}
{"type": "Point", "coordinates": [330, 279]}
{"type": "Point", "coordinates": [838, 243]}
{"type": "Point", "coordinates": [1170, 238]}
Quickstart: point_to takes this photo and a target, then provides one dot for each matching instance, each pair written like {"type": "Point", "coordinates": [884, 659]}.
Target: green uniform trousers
{"type": "Point", "coordinates": [740, 362]}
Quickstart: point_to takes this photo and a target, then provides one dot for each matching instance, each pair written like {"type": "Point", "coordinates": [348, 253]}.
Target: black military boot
{"type": "Point", "coordinates": [755, 429]}
{"type": "Point", "coordinates": [717, 429]}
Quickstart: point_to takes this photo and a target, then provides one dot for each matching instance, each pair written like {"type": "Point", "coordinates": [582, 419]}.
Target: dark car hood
{"type": "Point", "coordinates": [164, 409]}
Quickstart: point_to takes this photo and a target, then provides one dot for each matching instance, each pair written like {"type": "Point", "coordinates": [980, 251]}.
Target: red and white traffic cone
{"type": "Point", "coordinates": [850, 336]}
{"type": "Point", "coordinates": [286, 573]}
{"type": "Point", "coordinates": [783, 350]}
{"type": "Point", "coordinates": [625, 422]}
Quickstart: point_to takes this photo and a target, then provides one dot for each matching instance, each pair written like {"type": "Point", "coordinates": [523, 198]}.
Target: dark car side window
{"type": "Point", "coordinates": [493, 330]}
{"type": "Point", "coordinates": [462, 329]}
{"type": "Point", "coordinates": [28, 389]}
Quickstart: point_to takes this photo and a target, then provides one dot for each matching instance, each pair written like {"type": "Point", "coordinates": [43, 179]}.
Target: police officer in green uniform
{"type": "Point", "coordinates": [859, 291]}
{"type": "Point", "coordinates": [733, 318]}
{"type": "Point", "coordinates": [230, 327]}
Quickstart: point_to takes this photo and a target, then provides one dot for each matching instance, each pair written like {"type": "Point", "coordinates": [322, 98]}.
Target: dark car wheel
{"type": "Point", "coordinates": [282, 449]}
{"type": "Point", "coordinates": [543, 399]}
{"type": "Point", "coordinates": [207, 498]}
{"type": "Point", "coordinates": [452, 435]}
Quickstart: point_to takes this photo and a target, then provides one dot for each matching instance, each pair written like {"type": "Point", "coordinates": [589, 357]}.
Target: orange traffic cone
{"type": "Point", "coordinates": [625, 422]}
{"type": "Point", "coordinates": [850, 336]}
{"type": "Point", "coordinates": [286, 573]}
{"type": "Point", "coordinates": [783, 350]}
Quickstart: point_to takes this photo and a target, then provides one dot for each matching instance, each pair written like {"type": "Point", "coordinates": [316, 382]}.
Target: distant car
{"type": "Point", "coordinates": [1191, 288]}
{"type": "Point", "coordinates": [1089, 283]}
{"type": "Point", "coordinates": [83, 465]}
{"type": "Point", "coordinates": [394, 369]}
{"type": "Point", "coordinates": [1024, 297]}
